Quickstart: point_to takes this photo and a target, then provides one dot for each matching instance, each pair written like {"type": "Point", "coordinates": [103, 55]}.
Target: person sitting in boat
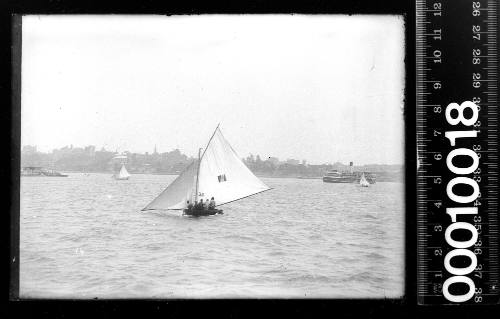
{"type": "Point", "coordinates": [211, 205]}
{"type": "Point", "coordinates": [201, 206]}
{"type": "Point", "coordinates": [205, 204]}
{"type": "Point", "coordinates": [189, 205]}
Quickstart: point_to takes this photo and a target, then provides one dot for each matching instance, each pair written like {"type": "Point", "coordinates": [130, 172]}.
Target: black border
{"type": "Point", "coordinates": [9, 168]}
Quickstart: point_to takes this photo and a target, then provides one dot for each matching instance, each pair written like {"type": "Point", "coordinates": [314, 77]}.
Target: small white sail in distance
{"type": "Point", "coordinates": [123, 173]}
{"type": "Point", "coordinates": [220, 173]}
{"type": "Point", "coordinates": [363, 181]}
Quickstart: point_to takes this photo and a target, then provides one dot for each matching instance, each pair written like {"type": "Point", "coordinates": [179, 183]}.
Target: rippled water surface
{"type": "Point", "coordinates": [84, 236]}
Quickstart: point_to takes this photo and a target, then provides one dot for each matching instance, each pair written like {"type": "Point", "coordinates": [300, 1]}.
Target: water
{"type": "Point", "coordinates": [85, 237]}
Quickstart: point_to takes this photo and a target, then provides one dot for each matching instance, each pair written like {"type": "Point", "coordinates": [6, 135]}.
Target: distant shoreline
{"type": "Point", "coordinates": [258, 175]}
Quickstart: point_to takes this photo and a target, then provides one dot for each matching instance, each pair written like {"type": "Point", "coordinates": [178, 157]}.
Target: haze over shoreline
{"type": "Point", "coordinates": [88, 159]}
{"type": "Point", "coordinates": [117, 151]}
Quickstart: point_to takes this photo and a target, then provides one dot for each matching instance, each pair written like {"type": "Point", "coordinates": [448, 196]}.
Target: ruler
{"type": "Point", "coordinates": [457, 151]}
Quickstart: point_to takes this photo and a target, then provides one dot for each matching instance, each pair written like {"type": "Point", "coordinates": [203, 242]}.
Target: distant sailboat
{"type": "Point", "coordinates": [363, 182]}
{"type": "Point", "coordinates": [218, 173]}
{"type": "Point", "coordinates": [123, 175]}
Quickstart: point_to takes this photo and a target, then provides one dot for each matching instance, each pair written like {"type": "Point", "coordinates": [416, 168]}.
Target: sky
{"type": "Point", "coordinates": [323, 88]}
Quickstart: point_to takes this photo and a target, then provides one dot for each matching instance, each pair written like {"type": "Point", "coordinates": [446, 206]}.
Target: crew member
{"type": "Point", "coordinates": [212, 204]}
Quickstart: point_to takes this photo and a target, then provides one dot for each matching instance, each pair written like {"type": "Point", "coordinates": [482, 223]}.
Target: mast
{"type": "Point", "coordinates": [210, 140]}
{"type": "Point", "coordinates": [199, 161]}
{"type": "Point", "coordinates": [197, 175]}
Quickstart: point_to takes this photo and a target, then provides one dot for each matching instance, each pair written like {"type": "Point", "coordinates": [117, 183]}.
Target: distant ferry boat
{"type": "Point", "coordinates": [39, 171]}
{"type": "Point", "coordinates": [334, 176]}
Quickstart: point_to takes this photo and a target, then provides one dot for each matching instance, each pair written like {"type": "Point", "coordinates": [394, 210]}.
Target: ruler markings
{"type": "Point", "coordinates": [429, 73]}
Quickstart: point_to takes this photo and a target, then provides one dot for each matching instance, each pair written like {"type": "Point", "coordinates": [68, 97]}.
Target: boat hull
{"type": "Point", "coordinates": [199, 212]}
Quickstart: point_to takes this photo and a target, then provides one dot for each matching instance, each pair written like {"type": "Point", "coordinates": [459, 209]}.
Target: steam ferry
{"type": "Point", "coordinates": [335, 176]}
{"type": "Point", "coordinates": [39, 171]}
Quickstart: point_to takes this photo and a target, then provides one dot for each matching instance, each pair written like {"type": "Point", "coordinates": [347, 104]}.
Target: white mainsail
{"type": "Point", "coordinates": [223, 175]}
{"type": "Point", "coordinates": [363, 182]}
{"type": "Point", "coordinates": [220, 174]}
{"type": "Point", "coordinates": [123, 173]}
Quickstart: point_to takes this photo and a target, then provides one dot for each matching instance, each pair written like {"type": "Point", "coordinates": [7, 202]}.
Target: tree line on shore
{"type": "Point", "coordinates": [88, 159]}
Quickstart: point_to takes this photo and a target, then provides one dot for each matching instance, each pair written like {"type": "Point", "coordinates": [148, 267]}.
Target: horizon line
{"type": "Point", "coordinates": [190, 156]}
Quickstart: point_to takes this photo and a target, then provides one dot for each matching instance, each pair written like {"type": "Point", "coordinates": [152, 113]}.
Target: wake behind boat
{"type": "Point", "coordinates": [217, 177]}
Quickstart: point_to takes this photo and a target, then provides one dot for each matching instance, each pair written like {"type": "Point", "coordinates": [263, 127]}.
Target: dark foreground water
{"type": "Point", "coordinates": [85, 237]}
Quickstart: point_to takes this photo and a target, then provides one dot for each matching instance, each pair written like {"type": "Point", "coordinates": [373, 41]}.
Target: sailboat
{"type": "Point", "coordinates": [123, 175]}
{"type": "Point", "coordinates": [363, 182]}
{"type": "Point", "coordinates": [218, 172]}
